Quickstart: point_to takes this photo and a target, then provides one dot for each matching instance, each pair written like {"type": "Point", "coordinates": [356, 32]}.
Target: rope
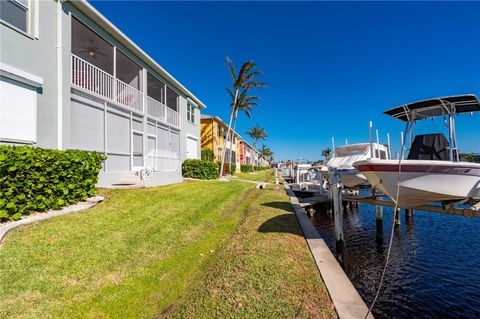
{"type": "Point", "coordinates": [393, 226]}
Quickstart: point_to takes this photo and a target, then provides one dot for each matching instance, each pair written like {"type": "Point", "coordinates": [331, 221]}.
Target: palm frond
{"type": "Point", "coordinates": [231, 68]}
{"type": "Point", "coordinates": [253, 84]}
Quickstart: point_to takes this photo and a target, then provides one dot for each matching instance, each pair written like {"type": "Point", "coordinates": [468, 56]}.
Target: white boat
{"type": "Point", "coordinates": [345, 156]}
{"type": "Point", "coordinates": [432, 172]}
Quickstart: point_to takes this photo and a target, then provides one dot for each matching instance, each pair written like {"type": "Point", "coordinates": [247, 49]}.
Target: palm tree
{"type": "Point", "coordinates": [256, 133]}
{"type": "Point", "coordinates": [246, 104]}
{"type": "Point", "coordinates": [326, 153]}
{"type": "Point", "coordinates": [241, 82]}
{"type": "Point", "coordinates": [265, 153]}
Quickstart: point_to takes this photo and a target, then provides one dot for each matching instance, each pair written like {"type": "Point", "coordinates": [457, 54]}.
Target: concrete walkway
{"type": "Point", "coordinates": [345, 297]}
{"type": "Point", "coordinates": [9, 226]}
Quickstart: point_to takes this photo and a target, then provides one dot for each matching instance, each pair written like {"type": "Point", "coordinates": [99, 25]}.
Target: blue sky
{"type": "Point", "coordinates": [331, 67]}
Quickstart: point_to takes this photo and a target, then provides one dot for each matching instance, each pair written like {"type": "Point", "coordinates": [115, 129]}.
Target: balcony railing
{"type": "Point", "coordinates": [93, 79]}
{"type": "Point", "coordinates": [172, 117]}
{"type": "Point", "coordinates": [162, 112]}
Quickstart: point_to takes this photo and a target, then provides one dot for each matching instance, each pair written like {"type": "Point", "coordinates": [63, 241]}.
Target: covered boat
{"type": "Point", "coordinates": [345, 156]}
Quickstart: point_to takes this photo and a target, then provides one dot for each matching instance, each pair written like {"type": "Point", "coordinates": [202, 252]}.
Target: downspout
{"type": "Point", "coordinates": [59, 47]}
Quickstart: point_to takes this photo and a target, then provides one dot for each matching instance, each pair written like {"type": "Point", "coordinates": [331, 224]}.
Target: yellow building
{"type": "Point", "coordinates": [213, 133]}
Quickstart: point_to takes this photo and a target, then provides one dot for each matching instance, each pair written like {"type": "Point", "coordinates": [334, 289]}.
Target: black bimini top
{"type": "Point", "coordinates": [436, 107]}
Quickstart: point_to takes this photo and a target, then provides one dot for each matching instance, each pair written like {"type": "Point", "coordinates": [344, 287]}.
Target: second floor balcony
{"type": "Point", "coordinates": [101, 68]}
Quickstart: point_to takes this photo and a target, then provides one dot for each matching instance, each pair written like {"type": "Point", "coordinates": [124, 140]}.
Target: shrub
{"type": "Point", "coordinates": [233, 168]}
{"type": "Point", "coordinates": [37, 179]}
{"type": "Point", "coordinates": [200, 169]}
{"type": "Point", "coordinates": [207, 155]}
{"type": "Point", "coordinates": [245, 168]}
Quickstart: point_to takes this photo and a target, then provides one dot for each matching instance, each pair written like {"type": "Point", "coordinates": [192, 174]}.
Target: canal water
{"type": "Point", "coordinates": [434, 268]}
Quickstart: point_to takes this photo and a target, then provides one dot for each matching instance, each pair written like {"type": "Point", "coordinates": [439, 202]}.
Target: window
{"type": "Point", "coordinates": [92, 48]}
{"type": "Point", "coordinates": [190, 113]}
{"type": "Point", "coordinates": [172, 99]}
{"type": "Point", "coordinates": [219, 156]}
{"type": "Point", "coordinates": [18, 107]}
{"type": "Point", "coordinates": [219, 131]}
{"type": "Point", "coordinates": [155, 88]}
{"type": "Point", "coordinates": [16, 13]}
{"type": "Point", "coordinates": [128, 71]}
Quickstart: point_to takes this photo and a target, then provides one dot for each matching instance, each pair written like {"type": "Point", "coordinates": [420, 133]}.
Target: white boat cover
{"type": "Point", "coordinates": [345, 156]}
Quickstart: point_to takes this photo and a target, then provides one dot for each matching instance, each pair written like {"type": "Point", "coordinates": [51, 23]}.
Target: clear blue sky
{"type": "Point", "coordinates": [331, 67]}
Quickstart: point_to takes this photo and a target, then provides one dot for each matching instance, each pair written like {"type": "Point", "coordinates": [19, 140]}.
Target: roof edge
{"type": "Point", "coordinates": [206, 116]}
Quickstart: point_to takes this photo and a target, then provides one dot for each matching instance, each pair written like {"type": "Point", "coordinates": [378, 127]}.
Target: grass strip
{"type": "Point", "coordinates": [264, 270]}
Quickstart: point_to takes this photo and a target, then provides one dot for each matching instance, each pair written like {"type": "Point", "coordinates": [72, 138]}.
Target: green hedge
{"type": "Point", "coordinates": [195, 168]}
{"type": "Point", "coordinates": [207, 155]}
{"type": "Point", "coordinates": [37, 179]}
{"type": "Point", "coordinates": [247, 168]}
{"type": "Point", "coordinates": [233, 168]}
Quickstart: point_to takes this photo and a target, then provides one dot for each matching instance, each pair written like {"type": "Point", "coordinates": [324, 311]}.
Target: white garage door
{"type": "Point", "coordinates": [192, 148]}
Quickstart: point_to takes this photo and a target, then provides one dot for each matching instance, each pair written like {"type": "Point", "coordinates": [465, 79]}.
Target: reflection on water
{"type": "Point", "coordinates": [434, 269]}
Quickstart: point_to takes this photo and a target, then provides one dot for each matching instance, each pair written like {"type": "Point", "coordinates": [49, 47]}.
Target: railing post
{"type": "Point", "coordinates": [145, 125]}
{"type": "Point", "coordinates": [114, 80]}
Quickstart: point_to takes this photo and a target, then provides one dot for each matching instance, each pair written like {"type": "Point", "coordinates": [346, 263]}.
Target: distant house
{"type": "Point", "coordinates": [247, 154]}
{"type": "Point", "coordinates": [214, 137]}
{"type": "Point", "coordinates": [69, 79]}
{"type": "Point", "coordinates": [263, 162]}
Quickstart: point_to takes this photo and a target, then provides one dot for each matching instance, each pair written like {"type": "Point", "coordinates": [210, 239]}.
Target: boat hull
{"type": "Point", "coordinates": [422, 182]}
{"type": "Point", "coordinates": [353, 178]}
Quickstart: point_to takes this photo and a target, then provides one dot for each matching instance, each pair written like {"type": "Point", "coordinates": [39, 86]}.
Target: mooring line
{"type": "Point", "coordinates": [393, 226]}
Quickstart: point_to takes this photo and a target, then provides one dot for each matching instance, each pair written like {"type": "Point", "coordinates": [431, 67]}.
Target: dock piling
{"type": "Point", "coordinates": [336, 188]}
{"type": "Point", "coordinates": [397, 216]}
{"type": "Point", "coordinates": [408, 214]}
{"type": "Point", "coordinates": [379, 223]}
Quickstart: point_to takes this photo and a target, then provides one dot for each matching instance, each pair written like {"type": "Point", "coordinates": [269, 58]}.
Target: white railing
{"type": "Point", "coordinates": [162, 161]}
{"type": "Point", "coordinates": [172, 117]}
{"type": "Point", "coordinates": [162, 112]}
{"type": "Point", "coordinates": [129, 96]}
{"type": "Point", "coordinates": [93, 79]}
{"type": "Point", "coordinates": [156, 109]}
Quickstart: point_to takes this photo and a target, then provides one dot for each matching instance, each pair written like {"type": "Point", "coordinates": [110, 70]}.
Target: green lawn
{"type": "Point", "coordinates": [126, 258]}
{"type": "Point", "coordinates": [265, 270]}
{"type": "Point", "coordinates": [143, 252]}
{"type": "Point", "coordinates": [260, 176]}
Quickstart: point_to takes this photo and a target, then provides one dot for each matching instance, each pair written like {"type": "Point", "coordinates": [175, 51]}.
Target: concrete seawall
{"type": "Point", "coordinates": [345, 297]}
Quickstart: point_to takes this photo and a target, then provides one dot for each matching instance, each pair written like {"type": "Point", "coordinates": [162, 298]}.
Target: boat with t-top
{"type": "Point", "coordinates": [432, 172]}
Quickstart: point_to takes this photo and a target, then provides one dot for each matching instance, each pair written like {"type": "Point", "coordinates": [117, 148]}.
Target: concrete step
{"type": "Point", "coordinates": [131, 180]}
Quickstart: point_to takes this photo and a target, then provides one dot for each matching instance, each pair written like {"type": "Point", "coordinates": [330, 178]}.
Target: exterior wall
{"type": "Point", "coordinates": [87, 121]}
{"type": "Point", "coordinates": [247, 154]}
{"type": "Point", "coordinates": [189, 130]}
{"type": "Point", "coordinates": [37, 56]}
{"type": "Point", "coordinates": [120, 143]}
{"type": "Point", "coordinates": [212, 141]}
{"type": "Point", "coordinates": [207, 135]}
